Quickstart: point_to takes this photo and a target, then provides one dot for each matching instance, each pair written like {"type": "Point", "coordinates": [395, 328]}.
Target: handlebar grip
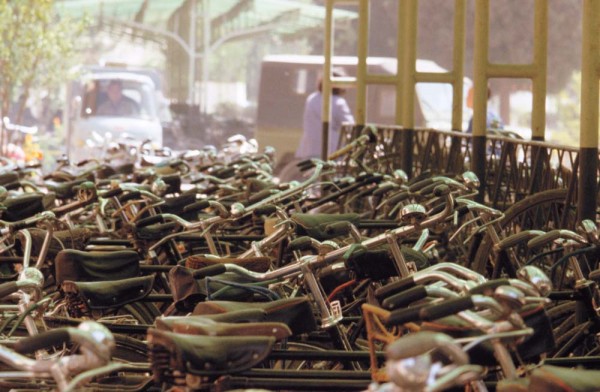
{"type": "Point", "coordinates": [363, 176]}
{"type": "Point", "coordinates": [150, 221]}
{"type": "Point", "coordinates": [594, 275]}
{"type": "Point", "coordinates": [212, 270]}
{"type": "Point", "coordinates": [489, 286]}
{"type": "Point", "coordinates": [8, 288]}
{"type": "Point", "coordinates": [395, 287]}
{"type": "Point", "coordinates": [300, 243]}
{"type": "Point", "coordinates": [398, 197]}
{"type": "Point", "coordinates": [25, 223]}
{"type": "Point", "coordinates": [436, 209]}
{"type": "Point", "coordinates": [462, 210]}
{"type": "Point", "coordinates": [110, 193]}
{"type": "Point", "coordinates": [226, 172]}
{"type": "Point", "coordinates": [405, 298]}
{"type": "Point", "coordinates": [403, 316]}
{"type": "Point", "coordinates": [446, 308]}
{"type": "Point", "coordinates": [426, 190]}
{"type": "Point", "coordinates": [130, 196]}
{"type": "Point", "coordinates": [441, 190]}
{"type": "Point", "coordinates": [33, 165]}
{"type": "Point", "coordinates": [259, 196]}
{"type": "Point", "coordinates": [417, 186]}
{"type": "Point", "coordinates": [305, 165]}
{"type": "Point", "coordinates": [248, 174]}
{"type": "Point", "coordinates": [237, 162]}
{"type": "Point", "coordinates": [342, 151]}
{"type": "Point", "coordinates": [267, 209]}
{"type": "Point", "coordinates": [543, 239]}
{"type": "Point", "coordinates": [196, 206]}
{"type": "Point", "coordinates": [82, 163]}
{"type": "Point", "coordinates": [369, 177]}
{"type": "Point", "coordinates": [515, 239]}
{"type": "Point", "coordinates": [175, 163]}
{"type": "Point", "coordinates": [383, 189]}
{"type": "Point", "coordinates": [337, 228]}
{"type": "Point", "coordinates": [47, 339]}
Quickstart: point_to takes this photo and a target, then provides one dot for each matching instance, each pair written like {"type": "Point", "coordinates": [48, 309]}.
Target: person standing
{"type": "Point", "coordinates": [310, 143]}
{"type": "Point", "coordinates": [493, 120]}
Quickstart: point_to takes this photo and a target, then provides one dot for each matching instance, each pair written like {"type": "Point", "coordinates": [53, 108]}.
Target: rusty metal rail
{"type": "Point", "coordinates": [515, 168]}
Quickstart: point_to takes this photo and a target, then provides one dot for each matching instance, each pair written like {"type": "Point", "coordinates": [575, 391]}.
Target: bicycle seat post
{"type": "Point", "coordinates": [328, 318]}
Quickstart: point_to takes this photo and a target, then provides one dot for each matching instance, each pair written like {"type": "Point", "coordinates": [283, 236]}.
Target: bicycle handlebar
{"type": "Point", "coordinates": [10, 227]}
{"type": "Point", "coordinates": [368, 138]}
{"type": "Point", "coordinates": [110, 193]}
{"type": "Point", "coordinates": [296, 268]}
{"type": "Point", "coordinates": [8, 288]}
{"type": "Point", "coordinates": [430, 312]}
{"type": "Point", "coordinates": [517, 238]}
{"type": "Point", "coordinates": [47, 339]}
{"type": "Point", "coordinates": [553, 235]}
{"type": "Point", "coordinates": [96, 341]}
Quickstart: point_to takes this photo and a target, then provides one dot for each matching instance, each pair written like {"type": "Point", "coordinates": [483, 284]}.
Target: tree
{"type": "Point", "coordinates": [37, 48]}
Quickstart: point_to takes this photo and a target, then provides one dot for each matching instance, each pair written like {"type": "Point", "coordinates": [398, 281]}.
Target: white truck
{"type": "Point", "coordinates": [88, 128]}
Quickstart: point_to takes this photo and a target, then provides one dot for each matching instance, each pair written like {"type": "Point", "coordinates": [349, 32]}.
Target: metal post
{"type": "Point", "coordinates": [409, 64]}
{"type": "Point", "coordinates": [326, 83]}
{"type": "Point", "coordinates": [361, 70]}
{"type": "Point", "coordinates": [191, 58]}
{"type": "Point", "coordinates": [399, 120]}
{"type": "Point", "coordinates": [588, 149]}
{"type": "Point", "coordinates": [458, 63]}
{"type": "Point", "coordinates": [206, 56]}
{"type": "Point", "coordinates": [480, 54]}
{"type": "Point", "coordinates": [539, 76]}
{"type": "Point", "coordinates": [540, 65]}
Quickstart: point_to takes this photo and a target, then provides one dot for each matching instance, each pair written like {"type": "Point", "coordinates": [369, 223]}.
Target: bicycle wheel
{"type": "Point", "coordinates": [130, 349]}
{"type": "Point", "coordinates": [302, 364]}
{"type": "Point", "coordinates": [546, 210]}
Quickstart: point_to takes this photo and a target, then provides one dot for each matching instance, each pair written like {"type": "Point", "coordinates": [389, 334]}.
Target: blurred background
{"type": "Point", "coordinates": [221, 67]}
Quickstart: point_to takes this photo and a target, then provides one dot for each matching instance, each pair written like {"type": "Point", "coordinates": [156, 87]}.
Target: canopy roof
{"type": "Point", "coordinates": [292, 15]}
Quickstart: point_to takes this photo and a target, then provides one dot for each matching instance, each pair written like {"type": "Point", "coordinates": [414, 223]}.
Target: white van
{"type": "Point", "coordinates": [88, 128]}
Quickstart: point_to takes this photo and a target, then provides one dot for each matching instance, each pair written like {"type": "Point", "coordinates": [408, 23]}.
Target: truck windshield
{"type": "Point", "coordinates": [118, 98]}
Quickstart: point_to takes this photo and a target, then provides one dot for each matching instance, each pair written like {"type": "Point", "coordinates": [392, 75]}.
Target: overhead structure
{"type": "Point", "coordinates": [193, 29]}
{"type": "Point", "coordinates": [483, 70]}
{"type": "Point", "coordinates": [406, 76]}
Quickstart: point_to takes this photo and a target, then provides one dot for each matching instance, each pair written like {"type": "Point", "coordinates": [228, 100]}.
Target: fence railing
{"type": "Point", "coordinates": [515, 168]}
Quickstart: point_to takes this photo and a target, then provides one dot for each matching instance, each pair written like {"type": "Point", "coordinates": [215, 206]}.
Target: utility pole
{"type": "Point", "coordinates": [191, 52]}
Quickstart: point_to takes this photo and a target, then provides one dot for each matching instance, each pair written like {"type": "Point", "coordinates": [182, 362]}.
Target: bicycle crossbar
{"type": "Point", "coordinates": [232, 238]}
{"type": "Point", "coordinates": [331, 355]}
{"type": "Point", "coordinates": [304, 384]}
{"type": "Point", "coordinates": [320, 374]}
{"type": "Point", "coordinates": [586, 362]}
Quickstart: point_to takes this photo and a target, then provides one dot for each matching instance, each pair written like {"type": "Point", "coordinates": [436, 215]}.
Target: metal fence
{"type": "Point", "coordinates": [515, 168]}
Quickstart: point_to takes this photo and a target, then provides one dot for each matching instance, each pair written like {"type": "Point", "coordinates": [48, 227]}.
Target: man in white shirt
{"type": "Point", "coordinates": [117, 104]}
{"type": "Point", "coordinates": [310, 143]}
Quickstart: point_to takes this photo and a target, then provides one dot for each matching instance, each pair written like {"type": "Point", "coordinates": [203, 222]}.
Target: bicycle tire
{"type": "Point", "coordinates": [303, 364]}
{"type": "Point", "coordinates": [543, 211]}
{"type": "Point", "coordinates": [130, 349]}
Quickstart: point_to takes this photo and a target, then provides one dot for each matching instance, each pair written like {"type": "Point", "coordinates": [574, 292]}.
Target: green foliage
{"type": "Point", "coordinates": [37, 48]}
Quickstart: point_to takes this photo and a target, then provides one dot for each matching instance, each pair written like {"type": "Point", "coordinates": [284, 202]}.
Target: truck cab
{"type": "Point", "coordinates": [90, 127]}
